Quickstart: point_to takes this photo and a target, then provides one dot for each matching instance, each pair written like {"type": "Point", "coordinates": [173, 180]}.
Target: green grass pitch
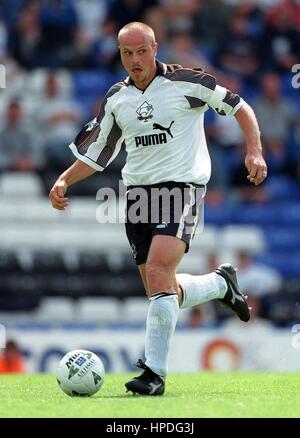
{"type": "Point", "coordinates": [187, 396]}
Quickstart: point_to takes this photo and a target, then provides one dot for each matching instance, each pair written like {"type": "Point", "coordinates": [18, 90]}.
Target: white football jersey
{"type": "Point", "coordinates": [161, 127]}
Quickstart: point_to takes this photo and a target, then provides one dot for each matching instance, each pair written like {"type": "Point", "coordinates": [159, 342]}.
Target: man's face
{"type": "Point", "coordinates": [138, 53]}
{"type": "Point", "coordinates": [271, 86]}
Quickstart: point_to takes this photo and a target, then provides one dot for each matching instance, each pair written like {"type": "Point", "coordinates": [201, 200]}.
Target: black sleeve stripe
{"type": "Point", "coordinates": [208, 81]}
{"type": "Point", "coordinates": [193, 76]}
{"type": "Point", "coordinates": [195, 102]}
{"type": "Point", "coordinates": [111, 142]}
{"type": "Point", "coordinates": [113, 90]}
{"type": "Point", "coordinates": [86, 137]}
{"type": "Point", "coordinates": [231, 99]}
{"type": "Point", "coordinates": [102, 110]}
{"type": "Point", "coordinates": [90, 132]}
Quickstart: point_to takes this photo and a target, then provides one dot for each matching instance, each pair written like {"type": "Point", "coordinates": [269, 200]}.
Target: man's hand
{"type": "Point", "coordinates": [256, 167]}
{"type": "Point", "coordinates": [72, 175]}
{"type": "Point", "coordinates": [57, 195]}
{"type": "Point", "coordinates": [254, 161]}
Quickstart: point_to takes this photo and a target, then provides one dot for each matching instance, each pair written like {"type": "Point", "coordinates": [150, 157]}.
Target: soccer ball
{"type": "Point", "coordinates": [80, 373]}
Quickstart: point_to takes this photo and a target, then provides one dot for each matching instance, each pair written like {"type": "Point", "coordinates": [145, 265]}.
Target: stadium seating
{"type": "Point", "coordinates": [135, 309]}
{"type": "Point", "coordinates": [285, 262]}
{"type": "Point", "coordinates": [69, 255]}
{"type": "Point", "coordinates": [55, 310]}
{"type": "Point", "coordinates": [92, 83]}
{"type": "Point", "coordinates": [250, 238]}
{"type": "Point", "coordinates": [282, 238]}
{"type": "Point", "coordinates": [282, 187]}
{"type": "Point", "coordinates": [20, 184]}
{"type": "Point", "coordinates": [98, 310]}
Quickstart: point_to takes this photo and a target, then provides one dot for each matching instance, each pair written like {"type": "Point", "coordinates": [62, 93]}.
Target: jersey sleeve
{"type": "Point", "coordinates": [224, 102]}
{"type": "Point", "coordinates": [201, 89]}
{"type": "Point", "coordinates": [100, 140]}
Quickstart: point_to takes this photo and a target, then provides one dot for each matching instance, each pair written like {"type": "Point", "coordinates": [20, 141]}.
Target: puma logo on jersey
{"type": "Point", "coordinates": [162, 128]}
{"type": "Point", "coordinates": [150, 140]}
{"type": "Point", "coordinates": [153, 139]}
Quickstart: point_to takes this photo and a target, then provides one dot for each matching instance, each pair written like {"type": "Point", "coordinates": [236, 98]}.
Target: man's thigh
{"type": "Point", "coordinates": [172, 209]}
{"type": "Point", "coordinates": [166, 251]}
{"type": "Point", "coordinates": [164, 256]}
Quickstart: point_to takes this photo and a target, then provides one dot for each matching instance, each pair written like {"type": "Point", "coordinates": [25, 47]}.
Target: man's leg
{"type": "Point", "coordinates": [160, 277]}
{"type": "Point", "coordinates": [198, 289]}
{"type": "Point", "coordinates": [142, 270]}
{"type": "Point", "coordinates": [221, 284]}
{"type": "Point", "coordinates": [163, 258]}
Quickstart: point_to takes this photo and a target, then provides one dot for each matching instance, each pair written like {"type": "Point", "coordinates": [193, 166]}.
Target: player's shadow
{"type": "Point", "coordinates": [109, 396]}
{"type": "Point", "coordinates": [128, 396]}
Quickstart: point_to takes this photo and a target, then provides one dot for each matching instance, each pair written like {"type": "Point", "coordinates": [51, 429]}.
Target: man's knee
{"type": "Point", "coordinates": [159, 276]}
{"type": "Point", "coordinates": [155, 268]}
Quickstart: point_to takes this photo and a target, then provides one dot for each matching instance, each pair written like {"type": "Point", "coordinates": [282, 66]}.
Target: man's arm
{"type": "Point", "coordinates": [204, 87]}
{"type": "Point", "coordinates": [254, 160]}
{"type": "Point", "coordinates": [78, 171]}
{"type": "Point", "coordinates": [96, 146]}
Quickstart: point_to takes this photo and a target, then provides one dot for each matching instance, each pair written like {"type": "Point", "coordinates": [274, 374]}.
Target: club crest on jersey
{"type": "Point", "coordinates": [145, 111]}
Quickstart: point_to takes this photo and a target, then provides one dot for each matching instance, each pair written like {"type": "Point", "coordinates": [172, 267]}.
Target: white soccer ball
{"type": "Point", "coordinates": [80, 373]}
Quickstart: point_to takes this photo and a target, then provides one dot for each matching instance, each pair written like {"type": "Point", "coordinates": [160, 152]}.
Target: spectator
{"type": "Point", "coordinates": [11, 10]}
{"type": "Point", "coordinates": [256, 322]}
{"type": "Point", "coordinates": [238, 50]}
{"type": "Point", "coordinates": [58, 117]}
{"type": "Point", "coordinates": [104, 51]}
{"type": "Point", "coordinates": [274, 112]}
{"type": "Point", "coordinates": [132, 10]}
{"type": "Point", "coordinates": [91, 14]}
{"type": "Point", "coordinates": [18, 149]}
{"type": "Point", "coordinates": [251, 11]}
{"type": "Point", "coordinates": [25, 37]}
{"type": "Point", "coordinates": [289, 7]}
{"type": "Point", "coordinates": [256, 279]}
{"type": "Point", "coordinates": [178, 15]}
{"type": "Point", "coordinates": [276, 116]}
{"type": "Point", "coordinates": [59, 27]}
{"type": "Point", "coordinates": [210, 22]}
{"type": "Point", "coordinates": [202, 316]}
{"type": "Point", "coordinates": [260, 283]}
{"type": "Point", "coordinates": [11, 360]}
{"type": "Point", "coordinates": [180, 48]}
{"type": "Point", "coordinates": [280, 43]}
{"type": "Point", "coordinates": [3, 39]}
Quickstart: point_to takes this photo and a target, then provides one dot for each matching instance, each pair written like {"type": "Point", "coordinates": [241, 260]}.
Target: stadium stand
{"type": "Point", "coordinates": [66, 265]}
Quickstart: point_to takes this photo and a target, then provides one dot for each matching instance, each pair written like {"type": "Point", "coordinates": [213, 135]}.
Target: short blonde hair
{"type": "Point", "coordinates": [136, 26]}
